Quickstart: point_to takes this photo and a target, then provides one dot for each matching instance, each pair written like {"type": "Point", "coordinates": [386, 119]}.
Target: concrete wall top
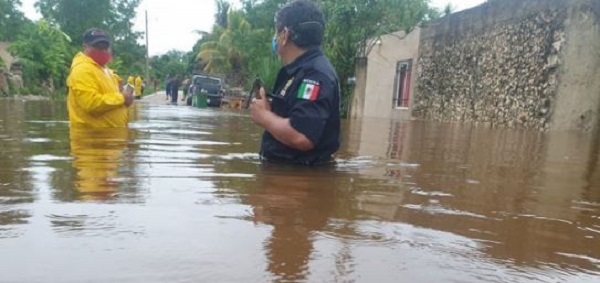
{"type": "Point", "coordinates": [397, 45]}
{"type": "Point", "coordinates": [486, 17]}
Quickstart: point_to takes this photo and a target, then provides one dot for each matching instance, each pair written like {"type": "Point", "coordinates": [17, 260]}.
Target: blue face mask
{"type": "Point", "coordinates": [274, 45]}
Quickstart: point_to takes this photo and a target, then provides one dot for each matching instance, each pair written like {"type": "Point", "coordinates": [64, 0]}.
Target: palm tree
{"type": "Point", "coordinates": [228, 50]}
{"type": "Point", "coordinates": [222, 12]}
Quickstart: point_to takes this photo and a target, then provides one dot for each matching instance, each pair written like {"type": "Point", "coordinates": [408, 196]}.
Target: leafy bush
{"type": "Point", "coordinates": [44, 52]}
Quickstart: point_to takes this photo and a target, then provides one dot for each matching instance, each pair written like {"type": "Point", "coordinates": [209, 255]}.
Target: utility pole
{"type": "Point", "coordinates": [147, 79]}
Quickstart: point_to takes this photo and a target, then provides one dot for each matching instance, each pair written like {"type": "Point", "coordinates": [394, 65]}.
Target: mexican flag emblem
{"type": "Point", "coordinates": [308, 90]}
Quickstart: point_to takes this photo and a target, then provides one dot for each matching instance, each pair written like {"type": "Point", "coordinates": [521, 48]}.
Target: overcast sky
{"type": "Point", "coordinates": [171, 23]}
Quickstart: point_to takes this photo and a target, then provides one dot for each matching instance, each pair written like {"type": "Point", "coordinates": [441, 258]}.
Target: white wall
{"type": "Point", "coordinates": [381, 72]}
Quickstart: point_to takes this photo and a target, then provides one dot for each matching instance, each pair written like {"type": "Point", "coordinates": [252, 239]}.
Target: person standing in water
{"type": "Point", "coordinates": [94, 99]}
{"type": "Point", "coordinates": [302, 118]}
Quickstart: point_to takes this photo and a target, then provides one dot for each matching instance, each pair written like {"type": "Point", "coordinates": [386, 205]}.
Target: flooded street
{"type": "Point", "coordinates": [181, 197]}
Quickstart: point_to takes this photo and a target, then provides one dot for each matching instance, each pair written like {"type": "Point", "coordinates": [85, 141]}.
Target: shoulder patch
{"type": "Point", "coordinates": [309, 90]}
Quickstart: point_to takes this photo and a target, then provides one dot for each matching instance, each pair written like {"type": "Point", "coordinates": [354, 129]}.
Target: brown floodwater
{"type": "Point", "coordinates": [182, 197]}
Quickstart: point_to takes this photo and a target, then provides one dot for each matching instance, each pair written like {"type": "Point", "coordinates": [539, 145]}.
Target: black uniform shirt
{"type": "Point", "coordinates": [308, 93]}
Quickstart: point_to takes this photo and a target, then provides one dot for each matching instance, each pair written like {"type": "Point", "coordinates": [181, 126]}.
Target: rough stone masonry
{"type": "Point", "coordinates": [502, 64]}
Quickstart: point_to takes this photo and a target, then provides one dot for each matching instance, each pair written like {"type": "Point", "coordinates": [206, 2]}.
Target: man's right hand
{"type": "Point", "coordinates": [260, 108]}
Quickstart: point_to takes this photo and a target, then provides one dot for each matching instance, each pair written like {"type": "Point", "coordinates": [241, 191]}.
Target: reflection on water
{"type": "Point", "coordinates": [181, 196]}
{"type": "Point", "coordinates": [97, 154]}
{"type": "Point", "coordinates": [296, 203]}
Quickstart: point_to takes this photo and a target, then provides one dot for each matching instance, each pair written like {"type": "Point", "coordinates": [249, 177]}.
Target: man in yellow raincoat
{"type": "Point", "coordinates": [94, 99]}
{"type": "Point", "coordinates": [99, 116]}
{"type": "Point", "coordinates": [130, 80]}
{"type": "Point", "coordinates": [138, 87]}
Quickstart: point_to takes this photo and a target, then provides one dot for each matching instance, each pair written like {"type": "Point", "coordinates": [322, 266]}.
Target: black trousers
{"type": "Point", "coordinates": [174, 94]}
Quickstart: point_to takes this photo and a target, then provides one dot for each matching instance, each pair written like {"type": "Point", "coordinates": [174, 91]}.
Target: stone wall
{"type": "Point", "coordinates": [5, 62]}
{"type": "Point", "coordinates": [11, 72]}
{"type": "Point", "coordinates": [498, 64]}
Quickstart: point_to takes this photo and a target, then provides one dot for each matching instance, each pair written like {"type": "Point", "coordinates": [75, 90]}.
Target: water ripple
{"type": "Point", "coordinates": [49, 157]}
{"type": "Point", "coordinates": [543, 218]}
{"type": "Point", "coordinates": [436, 209]}
{"type": "Point", "coordinates": [595, 261]}
{"type": "Point", "coordinates": [37, 140]}
{"type": "Point", "coordinates": [242, 156]}
{"type": "Point", "coordinates": [90, 226]}
{"type": "Point", "coordinates": [419, 191]}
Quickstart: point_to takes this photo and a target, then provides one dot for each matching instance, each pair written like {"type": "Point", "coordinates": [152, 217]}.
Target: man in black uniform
{"type": "Point", "coordinates": [302, 121]}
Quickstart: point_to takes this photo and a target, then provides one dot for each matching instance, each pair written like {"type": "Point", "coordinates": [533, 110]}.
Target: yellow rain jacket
{"type": "Point", "coordinates": [138, 86]}
{"type": "Point", "coordinates": [94, 100]}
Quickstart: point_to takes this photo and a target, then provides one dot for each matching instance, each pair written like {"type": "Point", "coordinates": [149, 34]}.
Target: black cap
{"type": "Point", "coordinates": [94, 36]}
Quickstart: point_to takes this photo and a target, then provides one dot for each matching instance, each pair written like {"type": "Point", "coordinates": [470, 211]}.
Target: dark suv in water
{"type": "Point", "coordinates": [211, 84]}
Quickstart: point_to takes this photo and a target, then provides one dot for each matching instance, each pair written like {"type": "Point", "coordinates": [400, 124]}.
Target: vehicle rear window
{"type": "Point", "coordinates": [207, 81]}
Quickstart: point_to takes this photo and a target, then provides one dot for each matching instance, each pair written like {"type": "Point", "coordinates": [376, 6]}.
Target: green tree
{"type": "Point", "coordinates": [222, 12]}
{"type": "Point", "coordinates": [169, 64]}
{"type": "Point", "coordinates": [230, 48]}
{"type": "Point", "coordinates": [260, 13]}
{"type": "Point", "coordinates": [12, 21]}
{"type": "Point", "coordinates": [74, 17]}
{"type": "Point", "coordinates": [194, 65]}
{"type": "Point", "coordinates": [448, 9]}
